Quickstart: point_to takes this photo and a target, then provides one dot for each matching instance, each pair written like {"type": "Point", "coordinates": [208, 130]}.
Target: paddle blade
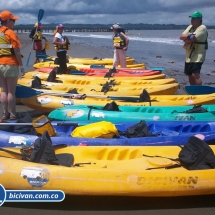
{"type": "Point", "coordinates": [156, 69]}
{"type": "Point", "coordinates": [40, 15]}
{"type": "Point", "coordinates": [199, 89]}
{"type": "Point", "coordinates": [76, 72]}
{"type": "Point", "coordinates": [25, 92]}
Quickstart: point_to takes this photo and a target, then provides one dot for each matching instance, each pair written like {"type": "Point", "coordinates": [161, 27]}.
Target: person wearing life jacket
{"type": "Point", "coordinates": [61, 45]}
{"type": "Point", "coordinates": [120, 43]}
{"type": "Point", "coordinates": [37, 37]}
{"type": "Point", "coordinates": [11, 66]}
{"type": "Point", "coordinates": [195, 44]}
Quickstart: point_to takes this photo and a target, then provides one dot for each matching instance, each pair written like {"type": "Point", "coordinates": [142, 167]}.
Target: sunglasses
{"type": "Point", "coordinates": [13, 20]}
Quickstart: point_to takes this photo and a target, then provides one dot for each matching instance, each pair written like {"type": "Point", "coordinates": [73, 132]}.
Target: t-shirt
{"type": "Point", "coordinates": [14, 40]}
{"type": "Point", "coordinates": [198, 55]}
{"type": "Point", "coordinates": [61, 39]}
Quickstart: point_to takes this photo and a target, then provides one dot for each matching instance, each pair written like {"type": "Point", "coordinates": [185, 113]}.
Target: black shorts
{"type": "Point", "coordinates": [190, 68]}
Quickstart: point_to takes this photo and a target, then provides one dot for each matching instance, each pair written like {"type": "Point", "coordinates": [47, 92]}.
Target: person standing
{"type": "Point", "coordinates": [61, 44]}
{"type": "Point", "coordinates": [10, 63]}
{"type": "Point", "coordinates": [195, 44]}
{"type": "Point", "coordinates": [37, 37]}
{"type": "Point", "coordinates": [120, 43]}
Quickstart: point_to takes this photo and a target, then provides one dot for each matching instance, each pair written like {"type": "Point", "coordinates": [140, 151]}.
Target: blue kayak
{"type": "Point", "coordinates": [168, 133]}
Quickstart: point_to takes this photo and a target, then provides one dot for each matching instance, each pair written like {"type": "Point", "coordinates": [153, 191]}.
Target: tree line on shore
{"type": "Point", "coordinates": [128, 26]}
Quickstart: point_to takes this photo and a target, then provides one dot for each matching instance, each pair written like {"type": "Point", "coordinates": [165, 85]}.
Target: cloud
{"type": "Point", "coordinates": [111, 11]}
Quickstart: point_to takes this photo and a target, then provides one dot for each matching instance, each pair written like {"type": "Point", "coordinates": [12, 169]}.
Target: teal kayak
{"type": "Point", "coordinates": [134, 113]}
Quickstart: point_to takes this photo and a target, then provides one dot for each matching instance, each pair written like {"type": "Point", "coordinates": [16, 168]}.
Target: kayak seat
{"type": "Point", "coordinates": [44, 153]}
{"type": "Point", "coordinates": [53, 75]}
{"type": "Point", "coordinates": [195, 109]}
{"type": "Point", "coordinates": [37, 84]}
{"type": "Point", "coordinates": [111, 107]}
{"type": "Point", "coordinates": [73, 91]}
{"type": "Point", "coordinates": [110, 72]}
{"type": "Point", "coordinates": [145, 97]}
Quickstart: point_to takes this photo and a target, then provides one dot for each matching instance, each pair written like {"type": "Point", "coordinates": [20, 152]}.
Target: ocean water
{"type": "Point", "coordinates": [147, 45]}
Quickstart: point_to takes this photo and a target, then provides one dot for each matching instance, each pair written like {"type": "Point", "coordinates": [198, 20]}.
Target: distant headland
{"type": "Point", "coordinates": [105, 27]}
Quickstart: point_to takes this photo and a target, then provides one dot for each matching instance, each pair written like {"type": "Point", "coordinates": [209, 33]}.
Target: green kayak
{"type": "Point", "coordinates": [134, 113]}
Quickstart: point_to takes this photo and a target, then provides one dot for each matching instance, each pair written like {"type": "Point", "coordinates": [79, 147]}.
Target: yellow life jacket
{"type": "Point", "coordinates": [101, 129]}
{"type": "Point", "coordinates": [118, 41]}
{"type": "Point", "coordinates": [6, 48]}
{"type": "Point", "coordinates": [65, 47]}
{"type": "Point", "coordinates": [38, 35]}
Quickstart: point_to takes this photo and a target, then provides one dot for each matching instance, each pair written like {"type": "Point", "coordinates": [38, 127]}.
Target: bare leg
{"type": "Point", "coordinates": [115, 59]}
{"type": "Point", "coordinates": [4, 93]}
{"type": "Point", "coordinates": [37, 59]}
{"type": "Point", "coordinates": [122, 58]}
{"type": "Point", "coordinates": [11, 98]}
{"type": "Point", "coordinates": [195, 79]}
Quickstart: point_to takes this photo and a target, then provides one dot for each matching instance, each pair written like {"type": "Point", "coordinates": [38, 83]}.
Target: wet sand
{"type": "Point", "coordinates": [198, 205]}
{"type": "Point", "coordinates": [194, 205]}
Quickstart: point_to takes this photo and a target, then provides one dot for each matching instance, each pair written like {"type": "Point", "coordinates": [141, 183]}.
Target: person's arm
{"type": "Point", "coordinates": [19, 59]}
{"type": "Point", "coordinates": [44, 38]}
{"type": "Point", "coordinates": [31, 35]}
{"type": "Point", "coordinates": [186, 36]}
{"type": "Point", "coordinates": [186, 39]}
{"type": "Point", "coordinates": [18, 56]}
{"type": "Point", "coordinates": [126, 40]}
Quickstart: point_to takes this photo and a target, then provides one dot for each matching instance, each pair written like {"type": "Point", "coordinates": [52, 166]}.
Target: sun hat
{"type": "Point", "coordinates": [6, 15]}
{"type": "Point", "coordinates": [196, 14]}
{"type": "Point", "coordinates": [60, 25]}
{"type": "Point", "coordinates": [115, 26]}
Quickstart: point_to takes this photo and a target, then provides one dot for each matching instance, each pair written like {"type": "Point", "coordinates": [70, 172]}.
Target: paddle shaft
{"type": "Point", "coordinates": [40, 16]}
{"type": "Point", "coordinates": [82, 96]}
{"type": "Point", "coordinates": [26, 92]}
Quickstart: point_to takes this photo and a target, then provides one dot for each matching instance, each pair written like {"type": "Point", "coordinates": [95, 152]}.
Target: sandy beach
{"type": "Point", "coordinates": [204, 205]}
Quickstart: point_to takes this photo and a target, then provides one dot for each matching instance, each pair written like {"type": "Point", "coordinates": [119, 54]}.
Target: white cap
{"type": "Point", "coordinates": [115, 26]}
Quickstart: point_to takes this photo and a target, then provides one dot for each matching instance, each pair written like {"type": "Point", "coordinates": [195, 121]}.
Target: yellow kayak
{"type": "Point", "coordinates": [48, 103]}
{"type": "Point", "coordinates": [28, 82]}
{"type": "Point", "coordinates": [65, 77]}
{"type": "Point", "coordinates": [88, 61]}
{"type": "Point", "coordinates": [109, 170]}
{"type": "Point", "coordinates": [166, 89]}
{"type": "Point", "coordinates": [73, 66]}
{"type": "Point", "coordinates": [108, 61]}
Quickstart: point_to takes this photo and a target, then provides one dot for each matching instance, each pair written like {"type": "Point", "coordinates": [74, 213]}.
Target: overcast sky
{"type": "Point", "coordinates": [111, 11]}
